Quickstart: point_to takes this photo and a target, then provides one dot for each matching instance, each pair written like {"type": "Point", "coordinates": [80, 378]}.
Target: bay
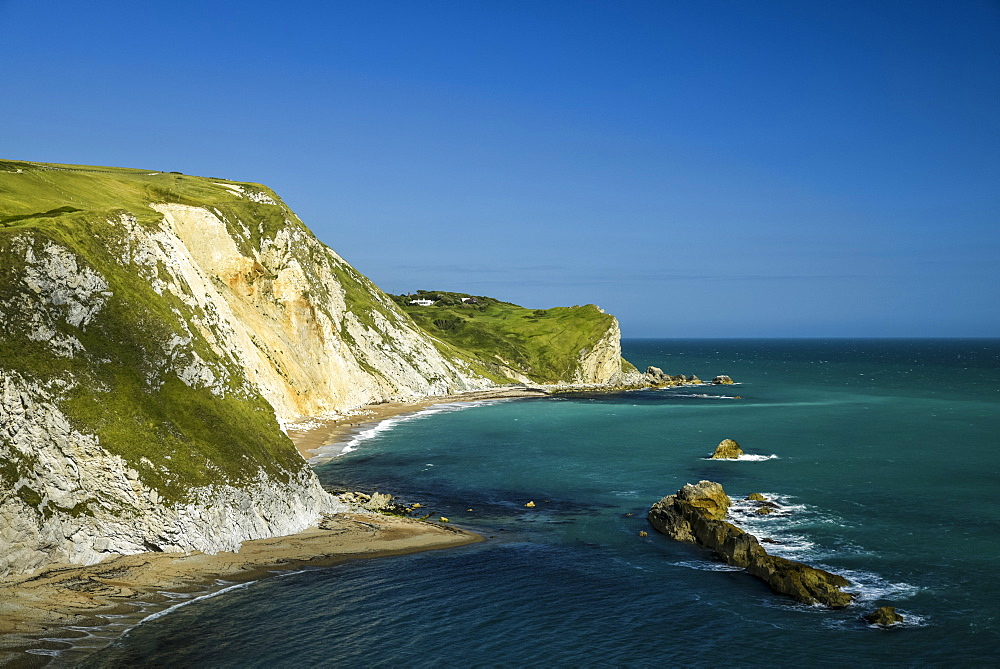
{"type": "Point", "coordinates": [882, 454]}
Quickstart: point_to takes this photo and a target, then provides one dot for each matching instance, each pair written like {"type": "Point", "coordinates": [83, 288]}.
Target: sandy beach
{"type": "Point", "coordinates": [46, 611]}
{"type": "Point", "coordinates": [314, 436]}
{"type": "Point", "coordinates": [36, 610]}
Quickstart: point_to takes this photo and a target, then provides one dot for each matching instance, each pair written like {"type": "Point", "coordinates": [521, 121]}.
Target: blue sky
{"type": "Point", "coordinates": [699, 169]}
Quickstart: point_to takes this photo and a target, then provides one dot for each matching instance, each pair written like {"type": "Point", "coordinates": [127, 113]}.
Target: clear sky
{"type": "Point", "coordinates": [749, 168]}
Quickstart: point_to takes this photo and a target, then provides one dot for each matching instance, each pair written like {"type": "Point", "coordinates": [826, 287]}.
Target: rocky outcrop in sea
{"type": "Point", "coordinates": [727, 449]}
{"type": "Point", "coordinates": [884, 616]}
{"type": "Point", "coordinates": [697, 514]}
{"type": "Point", "coordinates": [656, 377]}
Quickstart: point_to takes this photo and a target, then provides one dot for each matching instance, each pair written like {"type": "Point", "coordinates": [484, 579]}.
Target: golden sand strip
{"type": "Point", "coordinates": [37, 610]}
{"type": "Point", "coordinates": [42, 605]}
{"type": "Point", "coordinates": [325, 431]}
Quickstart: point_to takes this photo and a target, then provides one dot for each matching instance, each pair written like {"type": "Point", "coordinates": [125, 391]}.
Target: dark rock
{"type": "Point", "coordinates": [727, 450]}
{"type": "Point", "coordinates": [696, 514]}
{"type": "Point", "coordinates": [657, 377]}
{"type": "Point", "coordinates": [764, 510]}
{"type": "Point", "coordinates": [884, 616]}
{"type": "Point", "coordinates": [769, 540]}
{"type": "Point", "coordinates": [722, 380]}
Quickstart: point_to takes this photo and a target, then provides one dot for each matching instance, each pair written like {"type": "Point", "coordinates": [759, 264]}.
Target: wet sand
{"type": "Point", "coordinates": [36, 610]}
{"type": "Point", "coordinates": [312, 435]}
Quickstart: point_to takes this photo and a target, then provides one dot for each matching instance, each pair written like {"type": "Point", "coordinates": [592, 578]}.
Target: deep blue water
{"type": "Point", "coordinates": [887, 462]}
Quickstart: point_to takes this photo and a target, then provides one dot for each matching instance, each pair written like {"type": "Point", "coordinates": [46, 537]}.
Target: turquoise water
{"type": "Point", "coordinates": [885, 462]}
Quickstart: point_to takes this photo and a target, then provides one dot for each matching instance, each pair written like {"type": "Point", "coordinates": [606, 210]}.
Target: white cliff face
{"type": "Point", "coordinates": [281, 311]}
{"type": "Point", "coordinates": [602, 362]}
{"type": "Point", "coordinates": [73, 501]}
{"type": "Point", "coordinates": [253, 316]}
{"type": "Point", "coordinates": [284, 318]}
{"type": "Point", "coordinates": [64, 497]}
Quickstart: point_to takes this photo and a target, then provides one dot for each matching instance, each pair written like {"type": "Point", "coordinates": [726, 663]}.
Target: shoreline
{"type": "Point", "coordinates": [39, 611]}
{"type": "Point", "coordinates": [313, 435]}
{"type": "Point", "coordinates": [55, 610]}
{"type": "Point", "coordinates": [65, 613]}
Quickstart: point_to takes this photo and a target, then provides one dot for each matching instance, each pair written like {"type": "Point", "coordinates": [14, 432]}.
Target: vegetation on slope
{"type": "Point", "coordinates": [543, 343]}
{"type": "Point", "coordinates": [123, 388]}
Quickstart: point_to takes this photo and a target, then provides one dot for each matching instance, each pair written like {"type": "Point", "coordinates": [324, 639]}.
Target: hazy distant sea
{"type": "Point", "coordinates": [883, 454]}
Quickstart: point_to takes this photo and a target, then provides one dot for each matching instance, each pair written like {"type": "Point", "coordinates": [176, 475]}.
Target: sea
{"type": "Point", "coordinates": [882, 454]}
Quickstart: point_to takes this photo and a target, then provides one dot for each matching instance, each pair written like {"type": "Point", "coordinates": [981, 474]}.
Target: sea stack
{"type": "Point", "coordinates": [884, 616]}
{"type": "Point", "coordinates": [696, 514]}
{"type": "Point", "coordinates": [727, 450]}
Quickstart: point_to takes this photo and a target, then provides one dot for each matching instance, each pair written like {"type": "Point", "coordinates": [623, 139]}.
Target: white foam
{"type": "Point", "coordinates": [336, 449]}
{"type": "Point", "coordinates": [788, 524]}
{"type": "Point", "coordinates": [705, 565]}
{"type": "Point", "coordinates": [869, 587]}
{"type": "Point", "coordinates": [171, 609]}
{"type": "Point", "coordinates": [746, 457]}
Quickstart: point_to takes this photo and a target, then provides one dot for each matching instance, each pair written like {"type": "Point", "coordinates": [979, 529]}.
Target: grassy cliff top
{"type": "Point", "coordinates": [124, 388]}
{"type": "Point", "coordinates": [39, 190]}
{"type": "Point", "coordinates": [545, 343]}
{"type": "Point", "coordinates": [48, 194]}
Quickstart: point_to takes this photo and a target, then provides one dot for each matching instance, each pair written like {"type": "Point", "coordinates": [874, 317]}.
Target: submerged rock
{"type": "Point", "coordinates": [697, 514]}
{"type": "Point", "coordinates": [884, 616]}
{"type": "Point", "coordinates": [727, 450]}
{"type": "Point", "coordinates": [722, 380]}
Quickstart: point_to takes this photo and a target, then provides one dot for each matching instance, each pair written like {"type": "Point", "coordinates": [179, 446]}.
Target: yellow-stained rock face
{"type": "Point", "coordinates": [293, 330]}
{"type": "Point", "coordinates": [603, 362]}
{"type": "Point", "coordinates": [156, 333]}
{"type": "Point", "coordinates": [727, 449]}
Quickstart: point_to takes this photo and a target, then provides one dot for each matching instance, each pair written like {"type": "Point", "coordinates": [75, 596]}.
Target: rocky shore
{"type": "Point", "coordinates": [697, 514]}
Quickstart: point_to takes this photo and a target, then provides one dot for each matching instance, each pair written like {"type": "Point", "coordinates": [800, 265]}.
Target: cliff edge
{"type": "Point", "coordinates": [156, 332]}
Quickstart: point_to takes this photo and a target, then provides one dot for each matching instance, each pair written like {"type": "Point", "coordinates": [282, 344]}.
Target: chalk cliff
{"type": "Point", "coordinates": [156, 331]}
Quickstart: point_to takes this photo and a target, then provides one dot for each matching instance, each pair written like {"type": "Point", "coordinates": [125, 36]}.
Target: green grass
{"type": "Point", "coordinates": [545, 344]}
{"type": "Point", "coordinates": [124, 392]}
{"type": "Point", "coordinates": [52, 192]}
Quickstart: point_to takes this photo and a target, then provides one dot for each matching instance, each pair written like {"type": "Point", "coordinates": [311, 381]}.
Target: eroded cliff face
{"type": "Point", "coordinates": [67, 499]}
{"type": "Point", "coordinates": [602, 362]}
{"type": "Point", "coordinates": [310, 332]}
{"type": "Point", "coordinates": [156, 331]}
